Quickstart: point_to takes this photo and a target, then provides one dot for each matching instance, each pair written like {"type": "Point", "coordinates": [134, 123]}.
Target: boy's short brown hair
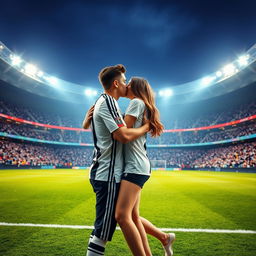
{"type": "Point", "coordinates": [108, 74]}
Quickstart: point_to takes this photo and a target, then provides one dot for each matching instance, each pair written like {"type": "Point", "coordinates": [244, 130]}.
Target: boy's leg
{"type": "Point", "coordinates": [96, 247]}
{"type": "Point", "coordinates": [105, 223]}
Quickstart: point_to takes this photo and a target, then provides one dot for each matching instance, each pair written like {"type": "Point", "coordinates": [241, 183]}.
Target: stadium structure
{"type": "Point", "coordinates": [210, 123]}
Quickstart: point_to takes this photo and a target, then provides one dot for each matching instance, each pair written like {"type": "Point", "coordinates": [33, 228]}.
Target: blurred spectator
{"type": "Point", "coordinates": [239, 112]}
{"type": "Point", "coordinates": [45, 133]}
{"type": "Point", "coordinates": [238, 155]}
{"type": "Point", "coordinates": [42, 133]}
{"type": "Point", "coordinates": [12, 153]}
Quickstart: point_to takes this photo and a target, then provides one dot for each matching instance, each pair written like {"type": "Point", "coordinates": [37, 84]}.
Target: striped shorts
{"type": "Point", "coordinates": [106, 198]}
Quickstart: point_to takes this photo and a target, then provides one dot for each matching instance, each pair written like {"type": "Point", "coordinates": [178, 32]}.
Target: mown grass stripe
{"type": "Point", "coordinates": [229, 231]}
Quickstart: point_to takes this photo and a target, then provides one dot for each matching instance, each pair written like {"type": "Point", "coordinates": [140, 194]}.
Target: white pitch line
{"type": "Point", "coordinates": [227, 231]}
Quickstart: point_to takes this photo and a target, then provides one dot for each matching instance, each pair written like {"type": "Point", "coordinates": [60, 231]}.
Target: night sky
{"type": "Point", "coordinates": [167, 42]}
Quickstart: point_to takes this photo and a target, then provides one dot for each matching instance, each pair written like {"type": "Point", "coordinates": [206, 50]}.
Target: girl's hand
{"type": "Point", "coordinates": [88, 118]}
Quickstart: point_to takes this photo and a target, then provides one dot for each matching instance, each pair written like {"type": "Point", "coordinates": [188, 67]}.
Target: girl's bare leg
{"type": "Point", "coordinates": [154, 231]}
{"type": "Point", "coordinates": [127, 198]}
{"type": "Point", "coordinates": [137, 220]}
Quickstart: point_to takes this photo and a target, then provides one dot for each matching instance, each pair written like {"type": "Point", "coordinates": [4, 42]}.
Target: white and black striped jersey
{"type": "Point", "coordinates": [107, 162]}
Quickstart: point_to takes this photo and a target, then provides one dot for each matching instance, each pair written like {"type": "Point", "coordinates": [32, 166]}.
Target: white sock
{"type": "Point", "coordinates": [96, 247]}
{"type": "Point", "coordinates": [90, 238]}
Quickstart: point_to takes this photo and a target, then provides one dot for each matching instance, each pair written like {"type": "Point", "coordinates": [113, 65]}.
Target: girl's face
{"type": "Point", "coordinates": [129, 94]}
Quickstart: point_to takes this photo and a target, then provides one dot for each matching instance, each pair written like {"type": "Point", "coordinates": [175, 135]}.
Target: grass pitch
{"type": "Point", "coordinates": [206, 200]}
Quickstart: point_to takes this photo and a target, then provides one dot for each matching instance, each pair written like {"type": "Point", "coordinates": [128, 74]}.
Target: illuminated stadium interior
{"type": "Point", "coordinates": [190, 191]}
{"type": "Point", "coordinates": [209, 123]}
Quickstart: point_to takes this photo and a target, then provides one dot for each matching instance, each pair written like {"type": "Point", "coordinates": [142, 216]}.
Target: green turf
{"type": "Point", "coordinates": [209, 200]}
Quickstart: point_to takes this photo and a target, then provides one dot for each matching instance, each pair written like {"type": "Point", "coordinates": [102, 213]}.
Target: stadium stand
{"type": "Point", "coordinates": [17, 153]}
{"type": "Point", "coordinates": [33, 143]}
{"type": "Point", "coordinates": [241, 111]}
{"type": "Point", "coordinates": [229, 132]}
{"type": "Point", "coordinates": [23, 154]}
{"type": "Point", "coordinates": [166, 138]}
{"type": "Point", "coordinates": [241, 155]}
{"type": "Point", "coordinates": [238, 155]}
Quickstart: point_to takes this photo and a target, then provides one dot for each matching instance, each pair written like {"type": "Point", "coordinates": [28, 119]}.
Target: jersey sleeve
{"type": "Point", "coordinates": [135, 108]}
{"type": "Point", "coordinates": [110, 113]}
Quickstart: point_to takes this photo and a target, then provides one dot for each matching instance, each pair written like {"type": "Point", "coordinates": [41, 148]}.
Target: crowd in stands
{"type": "Point", "coordinates": [225, 133]}
{"type": "Point", "coordinates": [45, 133]}
{"type": "Point", "coordinates": [30, 131]}
{"type": "Point", "coordinates": [242, 111]}
{"type": "Point", "coordinates": [231, 156]}
{"type": "Point", "coordinates": [238, 155]}
{"type": "Point", "coordinates": [27, 154]}
{"type": "Point", "coordinates": [38, 116]}
{"type": "Point", "coordinates": [19, 154]}
{"type": "Point", "coordinates": [175, 158]}
{"type": "Point", "coordinates": [229, 132]}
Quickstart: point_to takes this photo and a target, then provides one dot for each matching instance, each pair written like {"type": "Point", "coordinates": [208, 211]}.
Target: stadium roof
{"type": "Point", "coordinates": [23, 75]}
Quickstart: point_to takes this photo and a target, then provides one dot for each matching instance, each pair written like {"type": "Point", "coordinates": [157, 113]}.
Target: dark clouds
{"type": "Point", "coordinates": [168, 42]}
{"type": "Point", "coordinates": [159, 26]}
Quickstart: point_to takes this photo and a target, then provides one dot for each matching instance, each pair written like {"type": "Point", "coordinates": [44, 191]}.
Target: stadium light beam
{"type": "Point", "coordinates": [161, 93]}
{"type": "Point", "coordinates": [30, 69]}
{"type": "Point", "coordinates": [94, 93]}
{"type": "Point", "coordinates": [218, 73]}
{"type": "Point", "coordinates": [166, 93]}
{"type": "Point", "coordinates": [90, 92]}
{"type": "Point", "coordinates": [229, 70]}
{"type": "Point", "coordinates": [16, 60]}
{"type": "Point", "coordinates": [207, 80]}
{"type": "Point", "coordinates": [52, 80]}
{"type": "Point", "coordinates": [243, 60]}
{"type": "Point", "coordinates": [40, 73]}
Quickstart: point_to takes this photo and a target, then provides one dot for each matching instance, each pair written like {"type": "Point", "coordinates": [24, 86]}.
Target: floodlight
{"type": "Point", "coordinates": [207, 80]}
{"type": "Point", "coordinates": [30, 69]}
{"type": "Point", "coordinates": [165, 93]}
{"type": "Point", "coordinates": [90, 92]}
{"type": "Point", "coordinates": [52, 80]}
{"type": "Point", "coordinates": [16, 60]}
{"type": "Point", "coordinates": [87, 92]}
{"type": "Point", "coordinates": [243, 60]}
{"type": "Point", "coordinates": [229, 69]}
{"type": "Point", "coordinates": [161, 93]}
{"type": "Point", "coordinates": [218, 73]}
{"type": "Point", "coordinates": [40, 73]}
{"type": "Point", "coordinates": [168, 92]}
{"type": "Point", "coordinates": [1, 47]}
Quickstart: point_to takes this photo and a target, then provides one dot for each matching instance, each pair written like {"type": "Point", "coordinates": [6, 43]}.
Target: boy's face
{"type": "Point", "coordinates": [122, 87]}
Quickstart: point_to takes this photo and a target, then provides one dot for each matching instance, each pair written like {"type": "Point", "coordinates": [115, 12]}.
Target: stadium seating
{"type": "Point", "coordinates": [238, 155]}
{"type": "Point", "coordinates": [242, 111]}
{"type": "Point", "coordinates": [229, 156]}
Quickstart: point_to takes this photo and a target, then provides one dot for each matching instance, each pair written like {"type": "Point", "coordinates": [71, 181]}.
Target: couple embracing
{"type": "Point", "coordinates": [120, 164]}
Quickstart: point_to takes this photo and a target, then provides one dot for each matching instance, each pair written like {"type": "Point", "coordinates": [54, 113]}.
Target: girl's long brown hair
{"type": "Point", "coordinates": [142, 90]}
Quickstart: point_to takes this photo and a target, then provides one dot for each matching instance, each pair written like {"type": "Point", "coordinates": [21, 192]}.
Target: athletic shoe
{"type": "Point", "coordinates": [168, 248]}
